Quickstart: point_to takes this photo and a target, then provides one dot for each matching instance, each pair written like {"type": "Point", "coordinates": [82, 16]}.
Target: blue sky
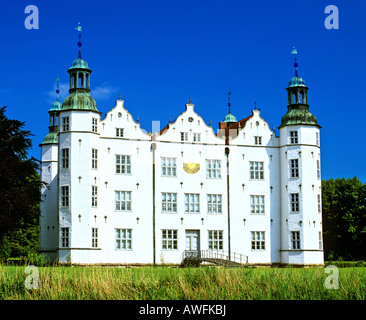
{"type": "Point", "coordinates": [159, 53]}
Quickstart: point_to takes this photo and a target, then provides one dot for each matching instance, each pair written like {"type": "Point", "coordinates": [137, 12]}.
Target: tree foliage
{"type": "Point", "coordinates": [344, 218]}
{"type": "Point", "coordinates": [19, 180]}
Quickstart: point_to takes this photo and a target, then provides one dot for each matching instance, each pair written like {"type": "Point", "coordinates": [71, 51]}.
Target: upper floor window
{"type": "Point", "coordinates": [123, 200]}
{"type": "Point", "coordinates": [168, 202]}
{"type": "Point", "coordinates": [256, 170]}
{"type": "Point", "coordinates": [94, 124]}
{"type": "Point", "coordinates": [94, 199]}
{"type": "Point", "coordinates": [318, 169]}
{"type": "Point", "coordinates": [184, 136]}
{"type": "Point", "coordinates": [317, 138]}
{"type": "Point", "coordinates": [213, 169]}
{"type": "Point", "coordinates": [258, 140]}
{"type": "Point", "coordinates": [191, 203]}
{"type": "Point", "coordinates": [119, 132]}
{"type": "Point", "coordinates": [168, 167]}
{"type": "Point", "coordinates": [295, 205]}
{"type": "Point", "coordinates": [294, 168]}
{"type": "Point", "coordinates": [65, 157]}
{"type": "Point", "coordinates": [257, 204]}
{"type": "Point", "coordinates": [94, 159]}
{"type": "Point", "coordinates": [65, 196]}
{"type": "Point", "coordinates": [196, 137]}
{"type": "Point", "coordinates": [214, 203]}
{"type": "Point", "coordinates": [123, 164]}
{"type": "Point", "coordinates": [65, 123]}
{"type": "Point", "coordinates": [294, 137]}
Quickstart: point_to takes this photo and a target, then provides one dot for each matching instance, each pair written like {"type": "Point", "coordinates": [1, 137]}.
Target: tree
{"type": "Point", "coordinates": [19, 180]}
{"type": "Point", "coordinates": [344, 218]}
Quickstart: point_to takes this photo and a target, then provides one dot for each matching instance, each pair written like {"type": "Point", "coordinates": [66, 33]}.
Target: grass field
{"type": "Point", "coordinates": [74, 283]}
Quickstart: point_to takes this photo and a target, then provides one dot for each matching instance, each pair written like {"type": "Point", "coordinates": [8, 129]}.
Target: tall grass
{"type": "Point", "coordinates": [74, 283]}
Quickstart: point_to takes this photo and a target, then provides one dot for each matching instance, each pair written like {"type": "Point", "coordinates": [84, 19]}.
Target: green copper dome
{"type": "Point", "coordinates": [296, 82]}
{"type": "Point", "coordinates": [51, 138]}
{"type": "Point", "coordinates": [57, 105]}
{"type": "Point", "coordinates": [230, 118]}
{"type": "Point", "coordinates": [80, 99]}
{"type": "Point", "coordinates": [298, 115]}
{"type": "Point", "coordinates": [79, 64]}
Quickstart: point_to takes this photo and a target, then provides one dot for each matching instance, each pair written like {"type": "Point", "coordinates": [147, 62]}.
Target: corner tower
{"type": "Point", "coordinates": [301, 219]}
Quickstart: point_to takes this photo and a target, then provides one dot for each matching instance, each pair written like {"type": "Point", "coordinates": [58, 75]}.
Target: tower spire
{"type": "Point", "coordinates": [228, 100]}
{"type": "Point", "coordinates": [57, 80]}
{"type": "Point", "coordinates": [79, 29]}
{"type": "Point", "coordinates": [294, 52]}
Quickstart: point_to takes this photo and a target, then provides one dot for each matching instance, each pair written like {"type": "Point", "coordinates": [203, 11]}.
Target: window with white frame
{"type": "Point", "coordinates": [168, 202]}
{"type": "Point", "coordinates": [257, 204]}
{"type": "Point", "coordinates": [184, 136]}
{"type": "Point", "coordinates": [258, 241]}
{"type": "Point", "coordinates": [122, 200]}
{"type": "Point", "coordinates": [94, 159]}
{"type": "Point", "coordinates": [123, 239]}
{"type": "Point", "coordinates": [319, 203]}
{"type": "Point", "coordinates": [196, 137]}
{"type": "Point", "coordinates": [318, 169]}
{"type": "Point", "coordinates": [94, 124]}
{"type": "Point", "coordinates": [213, 169]}
{"type": "Point", "coordinates": [94, 198]}
{"type": "Point", "coordinates": [317, 138]}
{"type": "Point", "coordinates": [65, 196]}
{"type": "Point", "coordinates": [256, 170]}
{"type": "Point", "coordinates": [295, 240]}
{"type": "Point", "coordinates": [258, 140]}
{"type": "Point", "coordinates": [320, 240]}
{"type": "Point", "coordinates": [119, 132]}
{"type": "Point", "coordinates": [169, 239]}
{"type": "Point", "coordinates": [94, 237]}
{"type": "Point", "coordinates": [294, 168]}
{"type": "Point", "coordinates": [215, 240]}
{"type": "Point", "coordinates": [214, 203]}
{"type": "Point", "coordinates": [168, 167]}
{"type": "Point", "coordinates": [123, 164]}
{"type": "Point", "coordinates": [65, 237]}
{"type": "Point", "coordinates": [65, 123]}
{"type": "Point", "coordinates": [65, 157]}
{"type": "Point", "coordinates": [294, 199]}
{"type": "Point", "coordinates": [294, 137]}
{"type": "Point", "coordinates": [191, 203]}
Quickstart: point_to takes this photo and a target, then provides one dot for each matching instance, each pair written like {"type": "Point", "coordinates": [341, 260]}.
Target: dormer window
{"type": "Point", "coordinates": [294, 137]}
{"type": "Point", "coordinates": [94, 124]}
{"type": "Point", "coordinates": [119, 132]}
{"type": "Point", "coordinates": [196, 137]}
{"type": "Point", "coordinates": [258, 140]}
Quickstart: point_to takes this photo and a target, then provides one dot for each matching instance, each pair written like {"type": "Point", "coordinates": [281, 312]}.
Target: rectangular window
{"type": "Point", "coordinates": [123, 164]}
{"type": "Point", "coordinates": [65, 157]}
{"type": "Point", "coordinates": [213, 169]}
{"type": "Point", "coordinates": [318, 169]}
{"type": "Point", "coordinates": [169, 239]}
{"type": "Point", "coordinates": [196, 137]}
{"type": "Point", "coordinates": [65, 237]}
{"type": "Point", "coordinates": [94, 159]}
{"type": "Point", "coordinates": [257, 204]}
{"type": "Point", "coordinates": [294, 168]}
{"type": "Point", "coordinates": [317, 138]}
{"type": "Point", "coordinates": [295, 239]}
{"type": "Point", "coordinates": [168, 167]}
{"type": "Point", "coordinates": [258, 140]}
{"type": "Point", "coordinates": [294, 137]}
{"type": "Point", "coordinates": [65, 124]}
{"type": "Point", "coordinates": [320, 240]}
{"type": "Point", "coordinates": [119, 132]}
{"type": "Point", "coordinates": [319, 204]}
{"type": "Point", "coordinates": [94, 199]}
{"type": "Point", "coordinates": [191, 203]}
{"type": "Point", "coordinates": [122, 200]}
{"type": "Point", "coordinates": [294, 202]}
{"type": "Point", "coordinates": [256, 170]}
{"type": "Point", "coordinates": [123, 239]}
{"type": "Point", "coordinates": [214, 203]}
{"type": "Point", "coordinates": [94, 124]}
{"type": "Point", "coordinates": [215, 240]}
{"type": "Point", "coordinates": [184, 136]}
{"type": "Point", "coordinates": [65, 196]}
{"type": "Point", "coordinates": [258, 240]}
{"type": "Point", "coordinates": [94, 237]}
{"type": "Point", "coordinates": [168, 202]}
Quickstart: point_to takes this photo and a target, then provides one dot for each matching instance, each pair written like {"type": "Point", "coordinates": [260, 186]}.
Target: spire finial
{"type": "Point", "coordinates": [120, 97]}
{"type": "Point", "coordinates": [57, 87]}
{"type": "Point", "coordinates": [228, 100]}
{"type": "Point", "coordinates": [79, 29]}
{"type": "Point", "coordinates": [294, 52]}
{"type": "Point", "coordinates": [255, 105]}
{"type": "Point", "coordinates": [189, 100]}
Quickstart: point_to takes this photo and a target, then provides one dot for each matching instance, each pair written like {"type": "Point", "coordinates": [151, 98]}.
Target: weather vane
{"type": "Point", "coordinates": [57, 86]}
{"type": "Point", "coordinates": [79, 28]}
{"type": "Point", "coordinates": [228, 100]}
{"type": "Point", "coordinates": [294, 52]}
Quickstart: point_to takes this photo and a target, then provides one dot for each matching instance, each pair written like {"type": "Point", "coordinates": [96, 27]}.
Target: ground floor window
{"type": "Point", "coordinates": [169, 239]}
{"type": "Point", "coordinates": [295, 239]}
{"type": "Point", "coordinates": [124, 239]}
{"type": "Point", "coordinates": [258, 240]}
{"type": "Point", "coordinates": [65, 237]}
{"type": "Point", "coordinates": [215, 240]}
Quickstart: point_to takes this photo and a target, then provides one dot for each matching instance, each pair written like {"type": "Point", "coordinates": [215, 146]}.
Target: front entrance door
{"type": "Point", "coordinates": [193, 240]}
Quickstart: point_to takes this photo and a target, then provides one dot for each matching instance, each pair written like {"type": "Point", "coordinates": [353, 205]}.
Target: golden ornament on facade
{"type": "Point", "coordinates": [191, 167]}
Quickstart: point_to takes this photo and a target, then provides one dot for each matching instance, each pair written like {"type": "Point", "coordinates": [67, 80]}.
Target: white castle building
{"type": "Point", "coordinates": [119, 195]}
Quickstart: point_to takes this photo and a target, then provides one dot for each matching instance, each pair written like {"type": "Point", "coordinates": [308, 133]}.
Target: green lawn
{"type": "Point", "coordinates": [190, 283]}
